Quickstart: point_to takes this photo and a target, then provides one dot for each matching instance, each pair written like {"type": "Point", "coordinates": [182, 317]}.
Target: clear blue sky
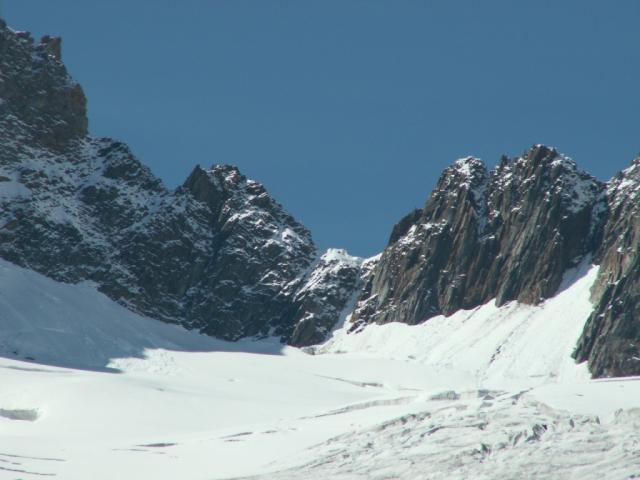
{"type": "Point", "coordinates": [348, 110]}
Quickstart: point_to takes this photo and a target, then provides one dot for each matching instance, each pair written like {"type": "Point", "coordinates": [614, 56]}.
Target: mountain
{"type": "Point", "coordinates": [220, 256]}
{"type": "Point", "coordinates": [510, 234]}
{"type": "Point", "coordinates": [217, 254]}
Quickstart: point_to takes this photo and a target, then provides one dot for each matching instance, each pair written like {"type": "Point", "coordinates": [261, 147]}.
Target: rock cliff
{"type": "Point", "coordinates": [611, 340]}
{"type": "Point", "coordinates": [217, 254]}
{"type": "Point", "coordinates": [509, 234]}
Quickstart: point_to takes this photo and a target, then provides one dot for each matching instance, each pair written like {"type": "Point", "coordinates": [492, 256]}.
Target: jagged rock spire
{"type": "Point", "coordinates": [40, 99]}
{"type": "Point", "coordinates": [508, 234]}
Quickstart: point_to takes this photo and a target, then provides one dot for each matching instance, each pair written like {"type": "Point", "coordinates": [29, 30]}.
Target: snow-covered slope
{"type": "Point", "coordinates": [76, 326]}
{"type": "Point", "coordinates": [510, 346]}
{"type": "Point", "coordinates": [489, 394]}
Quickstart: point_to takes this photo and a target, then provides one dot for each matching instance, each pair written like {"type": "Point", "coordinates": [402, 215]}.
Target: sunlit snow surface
{"type": "Point", "coordinates": [485, 394]}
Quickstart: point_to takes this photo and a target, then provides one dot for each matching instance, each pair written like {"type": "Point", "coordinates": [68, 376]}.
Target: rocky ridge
{"type": "Point", "coordinates": [217, 254]}
{"type": "Point", "coordinates": [508, 234]}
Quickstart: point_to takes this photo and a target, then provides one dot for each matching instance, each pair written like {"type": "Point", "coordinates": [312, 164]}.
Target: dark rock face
{"type": "Point", "coordinates": [218, 254]}
{"type": "Point", "coordinates": [611, 339]}
{"type": "Point", "coordinates": [511, 234]}
{"type": "Point", "coordinates": [508, 234]}
{"type": "Point", "coordinates": [39, 98]}
{"type": "Point", "coordinates": [326, 293]}
{"type": "Point", "coordinates": [215, 259]}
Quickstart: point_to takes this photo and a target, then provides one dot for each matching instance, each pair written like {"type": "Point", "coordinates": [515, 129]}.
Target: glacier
{"type": "Point", "coordinates": [89, 389]}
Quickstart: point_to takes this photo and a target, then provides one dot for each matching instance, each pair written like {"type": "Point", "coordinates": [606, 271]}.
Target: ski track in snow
{"type": "Point", "coordinates": [89, 389]}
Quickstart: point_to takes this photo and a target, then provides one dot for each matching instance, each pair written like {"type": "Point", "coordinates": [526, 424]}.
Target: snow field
{"type": "Point", "coordinates": [489, 393]}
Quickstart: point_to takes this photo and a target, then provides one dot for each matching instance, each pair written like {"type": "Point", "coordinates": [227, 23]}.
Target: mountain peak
{"type": "Point", "coordinates": [465, 178]}
{"type": "Point", "coordinates": [225, 168]}
{"type": "Point", "coordinates": [539, 158]}
{"type": "Point", "coordinates": [539, 153]}
{"type": "Point", "coordinates": [41, 102]}
{"type": "Point", "coordinates": [469, 169]}
{"type": "Point", "coordinates": [481, 236]}
{"type": "Point", "coordinates": [624, 187]}
{"type": "Point", "coordinates": [466, 173]}
{"type": "Point", "coordinates": [633, 170]}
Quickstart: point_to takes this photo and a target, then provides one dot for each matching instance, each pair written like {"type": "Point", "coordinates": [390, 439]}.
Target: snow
{"type": "Point", "coordinates": [498, 347]}
{"type": "Point", "coordinates": [578, 188]}
{"type": "Point", "coordinates": [12, 188]}
{"type": "Point", "coordinates": [471, 174]}
{"type": "Point", "coordinates": [250, 207]}
{"type": "Point", "coordinates": [74, 325]}
{"type": "Point", "coordinates": [328, 266]}
{"type": "Point", "coordinates": [465, 166]}
{"type": "Point", "coordinates": [60, 182]}
{"type": "Point", "coordinates": [340, 255]}
{"type": "Point", "coordinates": [489, 393]}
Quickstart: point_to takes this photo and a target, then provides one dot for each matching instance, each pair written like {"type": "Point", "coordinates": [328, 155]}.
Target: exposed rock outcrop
{"type": "Point", "coordinates": [511, 234]}
{"type": "Point", "coordinates": [508, 234]}
{"type": "Point", "coordinates": [217, 254]}
{"type": "Point", "coordinates": [328, 292]}
{"type": "Point", "coordinates": [41, 104]}
{"type": "Point", "coordinates": [611, 340]}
